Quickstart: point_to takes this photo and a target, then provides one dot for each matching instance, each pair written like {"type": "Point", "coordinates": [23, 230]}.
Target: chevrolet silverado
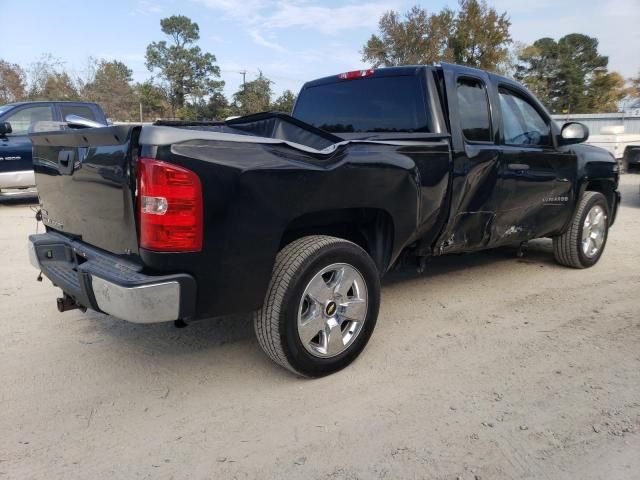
{"type": "Point", "coordinates": [296, 218]}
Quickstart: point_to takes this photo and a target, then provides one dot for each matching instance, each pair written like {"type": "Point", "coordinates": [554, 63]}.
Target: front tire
{"type": "Point", "coordinates": [321, 305]}
{"type": "Point", "coordinates": [581, 246]}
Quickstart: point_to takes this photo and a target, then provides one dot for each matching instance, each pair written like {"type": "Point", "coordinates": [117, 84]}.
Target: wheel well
{"type": "Point", "coordinates": [606, 188]}
{"type": "Point", "coordinates": [370, 228]}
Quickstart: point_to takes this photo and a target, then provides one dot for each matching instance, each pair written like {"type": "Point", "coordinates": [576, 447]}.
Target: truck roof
{"type": "Point", "coordinates": [383, 71]}
{"type": "Point", "coordinates": [411, 70]}
{"type": "Point", "coordinates": [17, 104]}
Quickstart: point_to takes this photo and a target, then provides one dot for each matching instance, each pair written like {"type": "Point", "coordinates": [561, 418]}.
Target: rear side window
{"type": "Point", "coordinates": [374, 104]}
{"type": "Point", "coordinates": [80, 110]}
{"type": "Point", "coordinates": [473, 108]}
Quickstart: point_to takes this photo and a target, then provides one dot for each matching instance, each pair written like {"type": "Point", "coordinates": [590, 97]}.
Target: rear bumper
{"type": "Point", "coordinates": [108, 284]}
{"type": "Point", "coordinates": [21, 179]}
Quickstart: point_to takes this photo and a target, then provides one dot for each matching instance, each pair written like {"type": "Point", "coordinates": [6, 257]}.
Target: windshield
{"type": "Point", "coordinates": [375, 104]}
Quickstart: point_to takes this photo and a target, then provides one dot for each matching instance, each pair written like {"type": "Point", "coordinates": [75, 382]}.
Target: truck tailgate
{"type": "Point", "coordinates": [86, 184]}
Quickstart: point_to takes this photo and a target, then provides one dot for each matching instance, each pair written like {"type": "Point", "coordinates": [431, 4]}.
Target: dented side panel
{"type": "Point", "coordinates": [494, 205]}
{"type": "Point", "coordinates": [538, 201]}
{"type": "Point", "coordinates": [475, 200]}
{"type": "Point", "coordinates": [502, 194]}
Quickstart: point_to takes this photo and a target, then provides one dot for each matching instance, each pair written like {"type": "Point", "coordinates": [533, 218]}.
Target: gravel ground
{"type": "Point", "coordinates": [486, 366]}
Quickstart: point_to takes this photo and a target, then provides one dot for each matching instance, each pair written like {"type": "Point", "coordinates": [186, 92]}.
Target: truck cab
{"type": "Point", "coordinates": [513, 175]}
{"type": "Point", "coordinates": [16, 168]}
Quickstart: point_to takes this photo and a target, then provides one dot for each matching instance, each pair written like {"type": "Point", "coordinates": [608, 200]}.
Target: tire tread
{"type": "Point", "coordinates": [267, 319]}
{"type": "Point", "coordinates": [565, 246]}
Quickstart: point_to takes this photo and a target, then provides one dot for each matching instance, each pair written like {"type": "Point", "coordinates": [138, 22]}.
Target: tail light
{"type": "Point", "coordinates": [169, 207]}
{"type": "Point", "coordinates": [356, 74]}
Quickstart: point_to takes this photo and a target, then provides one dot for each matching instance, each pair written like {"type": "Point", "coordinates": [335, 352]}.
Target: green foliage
{"type": "Point", "coordinates": [192, 111]}
{"type": "Point", "coordinates": [152, 99]}
{"type": "Point", "coordinates": [418, 38]}
{"type": "Point", "coordinates": [59, 86]}
{"type": "Point", "coordinates": [606, 89]}
{"type": "Point", "coordinates": [476, 35]}
{"type": "Point", "coordinates": [285, 102]}
{"type": "Point", "coordinates": [12, 82]}
{"type": "Point", "coordinates": [218, 107]}
{"type": "Point", "coordinates": [540, 69]}
{"type": "Point", "coordinates": [253, 97]}
{"type": "Point", "coordinates": [570, 76]}
{"type": "Point", "coordinates": [215, 108]}
{"type": "Point", "coordinates": [480, 36]}
{"type": "Point", "coordinates": [111, 88]}
{"type": "Point", "coordinates": [256, 96]}
{"type": "Point", "coordinates": [182, 66]}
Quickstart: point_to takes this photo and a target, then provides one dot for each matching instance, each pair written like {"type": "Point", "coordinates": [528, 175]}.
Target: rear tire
{"type": "Point", "coordinates": [321, 305]}
{"type": "Point", "coordinates": [581, 246]}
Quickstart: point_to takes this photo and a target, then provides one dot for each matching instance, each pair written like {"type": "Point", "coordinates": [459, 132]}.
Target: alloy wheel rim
{"type": "Point", "coordinates": [332, 310]}
{"type": "Point", "coordinates": [594, 230]}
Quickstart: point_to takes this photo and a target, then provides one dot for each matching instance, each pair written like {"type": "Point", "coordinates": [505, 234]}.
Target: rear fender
{"type": "Point", "coordinates": [370, 228]}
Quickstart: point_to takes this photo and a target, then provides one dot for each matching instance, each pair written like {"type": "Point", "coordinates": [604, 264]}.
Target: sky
{"type": "Point", "coordinates": [289, 41]}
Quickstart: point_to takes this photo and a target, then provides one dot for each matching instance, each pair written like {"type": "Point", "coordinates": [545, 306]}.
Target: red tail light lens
{"type": "Point", "coordinates": [169, 207]}
{"type": "Point", "coordinates": [356, 74]}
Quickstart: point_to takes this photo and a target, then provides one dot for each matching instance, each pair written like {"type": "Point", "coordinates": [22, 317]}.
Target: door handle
{"type": "Point", "coordinates": [518, 166]}
{"type": "Point", "coordinates": [65, 161]}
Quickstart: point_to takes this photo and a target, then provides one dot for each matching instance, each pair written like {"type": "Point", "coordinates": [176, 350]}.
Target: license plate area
{"type": "Point", "coordinates": [55, 254]}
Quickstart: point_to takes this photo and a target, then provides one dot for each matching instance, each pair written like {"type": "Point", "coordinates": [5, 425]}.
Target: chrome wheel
{"type": "Point", "coordinates": [594, 230]}
{"type": "Point", "coordinates": [332, 310]}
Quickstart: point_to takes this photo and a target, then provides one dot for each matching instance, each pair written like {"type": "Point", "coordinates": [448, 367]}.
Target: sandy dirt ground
{"type": "Point", "coordinates": [486, 366]}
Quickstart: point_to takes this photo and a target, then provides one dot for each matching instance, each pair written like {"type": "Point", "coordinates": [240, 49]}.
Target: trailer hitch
{"type": "Point", "coordinates": [66, 303]}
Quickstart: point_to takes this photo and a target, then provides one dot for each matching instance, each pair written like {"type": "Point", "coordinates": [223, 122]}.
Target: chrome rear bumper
{"type": "Point", "coordinates": [21, 179]}
{"type": "Point", "coordinates": [106, 283]}
{"type": "Point", "coordinates": [151, 303]}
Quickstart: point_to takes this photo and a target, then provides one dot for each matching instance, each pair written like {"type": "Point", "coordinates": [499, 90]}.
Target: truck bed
{"type": "Point", "coordinates": [262, 178]}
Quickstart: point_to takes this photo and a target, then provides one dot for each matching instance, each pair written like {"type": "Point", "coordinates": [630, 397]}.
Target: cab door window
{"type": "Point", "coordinates": [473, 107]}
{"type": "Point", "coordinates": [80, 110]}
{"type": "Point", "coordinates": [25, 117]}
{"type": "Point", "coordinates": [521, 122]}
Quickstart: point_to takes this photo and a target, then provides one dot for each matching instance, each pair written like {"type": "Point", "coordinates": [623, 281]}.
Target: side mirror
{"type": "Point", "coordinates": [5, 127]}
{"type": "Point", "coordinates": [574, 132]}
{"type": "Point", "coordinates": [76, 121]}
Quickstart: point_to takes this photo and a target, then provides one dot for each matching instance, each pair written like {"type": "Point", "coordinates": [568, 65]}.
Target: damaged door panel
{"type": "Point", "coordinates": [537, 179]}
{"type": "Point", "coordinates": [475, 200]}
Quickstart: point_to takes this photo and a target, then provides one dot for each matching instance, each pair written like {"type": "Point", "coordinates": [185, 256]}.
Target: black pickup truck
{"type": "Point", "coordinates": [296, 218]}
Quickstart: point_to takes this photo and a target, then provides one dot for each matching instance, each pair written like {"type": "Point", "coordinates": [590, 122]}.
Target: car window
{"type": "Point", "coordinates": [473, 106]}
{"type": "Point", "coordinates": [521, 122]}
{"type": "Point", "coordinates": [80, 110]}
{"type": "Point", "coordinates": [374, 104]}
{"type": "Point", "coordinates": [25, 117]}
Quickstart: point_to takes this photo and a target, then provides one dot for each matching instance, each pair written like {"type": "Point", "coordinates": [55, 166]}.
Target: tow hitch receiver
{"type": "Point", "coordinates": [67, 303]}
